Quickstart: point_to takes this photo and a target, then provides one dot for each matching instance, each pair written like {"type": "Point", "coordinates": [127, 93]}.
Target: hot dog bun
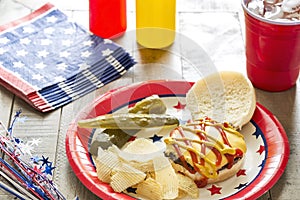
{"type": "Point", "coordinates": [224, 96]}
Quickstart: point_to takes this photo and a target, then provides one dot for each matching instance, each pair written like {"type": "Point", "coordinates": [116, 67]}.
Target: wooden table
{"type": "Point", "coordinates": [216, 26]}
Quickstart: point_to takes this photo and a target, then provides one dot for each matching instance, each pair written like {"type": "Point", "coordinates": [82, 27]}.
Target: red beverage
{"type": "Point", "coordinates": [272, 51]}
{"type": "Point", "coordinates": [108, 17]}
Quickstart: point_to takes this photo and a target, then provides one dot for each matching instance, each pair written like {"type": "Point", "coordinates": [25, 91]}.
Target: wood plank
{"type": "Point", "coordinates": [220, 37]}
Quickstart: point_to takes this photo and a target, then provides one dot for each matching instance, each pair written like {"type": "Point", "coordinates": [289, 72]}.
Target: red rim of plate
{"type": "Point", "coordinates": [80, 160]}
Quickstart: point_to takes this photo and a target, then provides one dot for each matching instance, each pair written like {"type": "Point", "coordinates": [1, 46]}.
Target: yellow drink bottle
{"type": "Point", "coordinates": [155, 23]}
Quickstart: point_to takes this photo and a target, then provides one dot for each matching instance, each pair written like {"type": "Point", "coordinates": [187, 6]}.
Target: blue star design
{"type": "Point", "coordinates": [241, 185]}
{"type": "Point", "coordinates": [49, 168]}
{"type": "Point", "coordinates": [256, 134]}
{"type": "Point", "coordinates": [35, 159]}
{"type": "Point", "coordinates": [17, 140]}
{"type": "Point", "coordinates": [131, 190]}
{"type": "Point", "coordinates": [18, 113]}
{"type": "Point", "coordinates": [156, 138]}
{"type": "Point", "coordinates": [45, 161]}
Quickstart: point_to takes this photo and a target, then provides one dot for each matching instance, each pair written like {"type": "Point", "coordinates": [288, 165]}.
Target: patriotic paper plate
{"type": "Point", "coordinates": [267, 143]}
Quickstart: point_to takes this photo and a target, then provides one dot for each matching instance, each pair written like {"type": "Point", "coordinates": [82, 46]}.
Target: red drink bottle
{"type": "Point", "coordinates": [107, 18]}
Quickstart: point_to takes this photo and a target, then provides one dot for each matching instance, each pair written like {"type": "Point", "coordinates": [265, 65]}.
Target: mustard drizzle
{"type": "Point", "coordinates": [209, 170]}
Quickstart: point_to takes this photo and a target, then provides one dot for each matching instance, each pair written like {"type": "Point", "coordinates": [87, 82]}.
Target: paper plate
{"type": "Point", "coordinates": [265, 161]}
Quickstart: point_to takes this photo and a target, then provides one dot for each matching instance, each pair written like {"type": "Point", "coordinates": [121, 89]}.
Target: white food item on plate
{"type": "Point", "coordinates": [225, 96]}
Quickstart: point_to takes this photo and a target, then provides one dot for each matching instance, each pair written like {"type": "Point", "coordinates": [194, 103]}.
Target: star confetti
{"type": "Point", "coordinates": [45, 161]}
{"type": "Point", "coordinates": [49, 168]}
{"type": "Point", "coordinates": [214, 190]}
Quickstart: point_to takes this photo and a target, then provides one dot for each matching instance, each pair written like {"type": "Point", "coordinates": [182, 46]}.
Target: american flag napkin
{"type": "Point", "coordinates": [50, 61]}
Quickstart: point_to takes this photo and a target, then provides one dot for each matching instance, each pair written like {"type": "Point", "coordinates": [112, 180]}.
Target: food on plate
{"type": "Point", "coordinates": [129, 121]}
{"type": "Point", "coordinates": [147, 113]}
{"type": "Point", "coordinates": [166, 176]}
{"type": "Point", "coordinates": [187, 186]}
{"type": "Point", "coordinates": [225, 97]}
{"type": "Point", "coordinates": [150, 188]}
{"type": "Point", "coordinates": [153, 178]}
{"type": "Point", "coordinates": [125, 176]}
{"type": "Point", "coordinates": [107, 137]}
{"type": "Point", "coordinates": [119, 137]}
{"type": "Point", "coordinates": [152, 104]}
{"type": "Point", "coordinates": [105, 163]}
{"type": "Point", "coordinates": [206, 151]}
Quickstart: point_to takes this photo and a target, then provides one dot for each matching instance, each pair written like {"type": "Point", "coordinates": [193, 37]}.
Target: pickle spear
{"type": "Point", "coordinates": [149, 105]}
{"type": "Point", "coordinates": [129, 121]}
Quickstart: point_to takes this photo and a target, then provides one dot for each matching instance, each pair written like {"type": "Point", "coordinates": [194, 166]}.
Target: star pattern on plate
{"type": "Point", "coordinates": [156, 138]}
{"type": "Point", "coordinates": [257, 134]}
{"type": "Point", "coordinates": [214, 190]}
{"type": "Point", "coordinates": [241, 172]}
{"type": "Point", "coordinates": [240, 186]}
{"type": "Point", "coordinates": [131, 190]}
{"type": "Point", "coordinates": [261, 149]}
{"type": "Point", "coordinates": [180, 106]}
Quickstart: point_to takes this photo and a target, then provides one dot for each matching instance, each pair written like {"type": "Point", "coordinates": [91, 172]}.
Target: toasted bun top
{"type": "Point", "coordinates": [224, 96]}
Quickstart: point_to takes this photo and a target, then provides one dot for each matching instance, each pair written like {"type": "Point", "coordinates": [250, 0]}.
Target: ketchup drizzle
{"type": "Point", "coordinates": [199, 129]}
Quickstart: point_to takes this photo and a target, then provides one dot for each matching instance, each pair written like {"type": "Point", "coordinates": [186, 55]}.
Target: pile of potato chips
{"type": "Point", "coordinates": [154, 179]}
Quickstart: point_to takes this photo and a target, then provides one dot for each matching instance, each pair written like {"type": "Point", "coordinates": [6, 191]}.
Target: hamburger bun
{"type": "Point", "coordinates": [225, 96]}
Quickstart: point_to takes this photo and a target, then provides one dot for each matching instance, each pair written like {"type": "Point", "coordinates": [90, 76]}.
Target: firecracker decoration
{"type": "Point", "coordinates": [27, 176]}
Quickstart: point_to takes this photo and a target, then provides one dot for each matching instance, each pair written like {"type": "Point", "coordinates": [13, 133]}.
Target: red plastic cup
{"type": "Point", "coordinates": [272, 52]}
{"type": "Point", "coordinates": [107, 18]}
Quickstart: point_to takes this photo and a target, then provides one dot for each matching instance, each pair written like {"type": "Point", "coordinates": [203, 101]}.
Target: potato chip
{"type": "Point", "coordinates": [187, 185]}
{"type": "Point", "coordinates": [181, 194]}
{"type": "Point", "coordinates": [141, 146]}
{"type": "Point", "coordinates": [142, 166]}
{"type": "Point", "coordinates": [125, 176]}
{"type": "Point", "coordinates": [166, 177]}
{"type": "Point", "coordinates": [105, 163]}
{"type": "Point", "coordinates": [150, 189]}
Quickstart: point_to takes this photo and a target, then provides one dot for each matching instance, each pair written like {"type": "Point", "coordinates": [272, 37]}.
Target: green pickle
{"type": "Point", "coordinates": [119, 128]}
{"type": "Point", "coordinates": [129, 121]}
{"type": "Point", "coordinates": [149, 105]}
